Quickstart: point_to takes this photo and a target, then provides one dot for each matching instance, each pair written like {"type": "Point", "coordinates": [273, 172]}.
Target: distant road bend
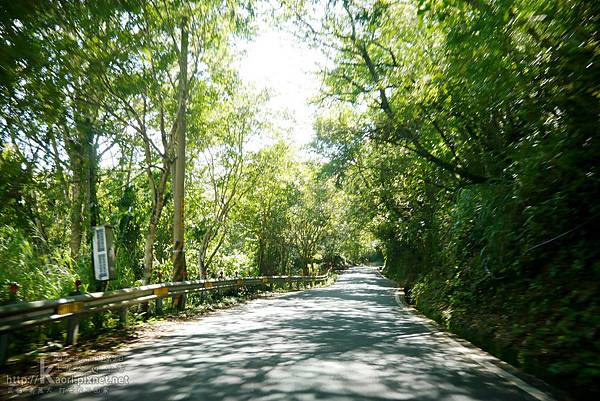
{"type": "Point", "coordinates": [349, 341]}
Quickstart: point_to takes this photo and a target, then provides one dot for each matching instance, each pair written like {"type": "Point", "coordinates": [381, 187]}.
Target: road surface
{"type": "Point", "coordinates": [349, 341]}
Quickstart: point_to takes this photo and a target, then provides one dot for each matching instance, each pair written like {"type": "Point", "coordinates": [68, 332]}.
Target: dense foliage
{"type": "Point", "coordinates": [466, 134]}
{"type": "Point", "coordinates": [95, 97]}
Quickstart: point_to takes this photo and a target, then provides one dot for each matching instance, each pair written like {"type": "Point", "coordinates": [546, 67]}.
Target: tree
{"type": "Point", "coordinates": [222, 152]}
{"type": "Point", "coordinates": [179, 269]}
{"type": "Point", "coordinates": [264, 212]}
{"type": "Point", "coordinates": [309, 218]}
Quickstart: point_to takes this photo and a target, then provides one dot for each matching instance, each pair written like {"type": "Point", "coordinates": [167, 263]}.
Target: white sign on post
{"type": "Point", "coordinates": [100, 254]}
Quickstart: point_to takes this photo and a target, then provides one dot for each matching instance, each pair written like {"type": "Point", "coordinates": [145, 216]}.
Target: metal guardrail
{"type": "Point", "coordinates": [27, 314]}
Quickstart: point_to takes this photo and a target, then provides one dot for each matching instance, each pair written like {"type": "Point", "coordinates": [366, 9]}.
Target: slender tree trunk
{"type": "Point", "coordinates": [149, 250]}
{"type": "Point", "coordinates": [179, 267]}
{"type": "Point", "coordinates": [261, 251]}
{"type": "Point", "coordinates": [203, 269]}
{"type": "Point", "coordinates": [158, 203]}
{"type": "Point", "coordinates": [92, 198]}
{"type": "Point", "coordinates": [78, 154]}
{"type": "Point", "coordinates": [77, 195]}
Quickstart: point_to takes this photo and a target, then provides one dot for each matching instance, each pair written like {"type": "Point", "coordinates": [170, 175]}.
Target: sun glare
{"type": "Point", "coordinates": [277, 61]}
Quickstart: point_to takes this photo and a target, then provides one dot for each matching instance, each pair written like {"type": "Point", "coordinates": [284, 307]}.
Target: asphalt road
{"type": "Point", "coordinates": [349, 341]}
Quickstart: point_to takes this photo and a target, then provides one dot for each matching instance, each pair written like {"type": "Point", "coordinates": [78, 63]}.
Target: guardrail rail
{"type": "Point", "coordinates": [21, 315]}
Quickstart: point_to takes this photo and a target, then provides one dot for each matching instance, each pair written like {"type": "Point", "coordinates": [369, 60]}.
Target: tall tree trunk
{"type": "Point", "coordinates": [203, 269]}
{"type": "Point", "coordinates": [77, 197]}
{"type": "Point", "coordinates": [149, 251]}
{"type": "Point", "coordinates": [158, 203]}
{"type": "Point", "coordinates": [179, 267]}
{"type": "Point", "coordinates": [92, 198]}
{"type": "Point", "coordinates": [77, 152]}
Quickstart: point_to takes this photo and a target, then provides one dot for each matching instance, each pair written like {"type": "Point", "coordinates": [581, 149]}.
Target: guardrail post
{"type": "Point", "coordinates": [182, 298]}
{"type": "Point", "coordinates": [123, 316]}
{"type": "Point", "coordinates": [158, 306]}
{"type": "Point", "coordinates": [3, 348]}
{"type": "Point", "coordinates": [72, 330]}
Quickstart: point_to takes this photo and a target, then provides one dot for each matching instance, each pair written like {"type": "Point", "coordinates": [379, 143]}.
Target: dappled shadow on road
{"type": "Point", "coordinates": [345, 342]}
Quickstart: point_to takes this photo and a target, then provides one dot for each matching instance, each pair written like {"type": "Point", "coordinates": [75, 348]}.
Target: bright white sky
{"type": "Point", "coordinates": [278, 61]}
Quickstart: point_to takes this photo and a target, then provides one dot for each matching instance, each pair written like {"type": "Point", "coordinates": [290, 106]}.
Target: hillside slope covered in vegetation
{"type": "Point", "coordinates": [466, 132]}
